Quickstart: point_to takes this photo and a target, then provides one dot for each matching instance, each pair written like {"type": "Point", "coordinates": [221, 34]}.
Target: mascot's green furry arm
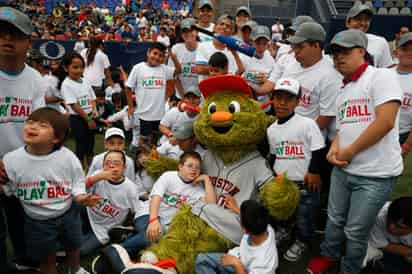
{"type": "Point", "coordinates": [230, 124]}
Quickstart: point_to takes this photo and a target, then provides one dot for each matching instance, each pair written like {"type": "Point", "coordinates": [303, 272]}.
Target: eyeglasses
{"type": "Point", "coordinates": [113, 163]}
{"type": "Point", "coordinates": [192, 166]}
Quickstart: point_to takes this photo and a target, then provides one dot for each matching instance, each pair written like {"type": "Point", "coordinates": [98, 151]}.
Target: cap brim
{"type": "Point", "coordinates": [331, 48]}
{"type": "Point", "coordinates": [114, 134]}
{"type": "Point", "coordinates": [296, 39]}
{"type": "Point", "coordinates": [192, 92]}
{"type": "Point", "coordinates": [261, 36]}
{"type": "Point", "coordinates": [206, 4]}
{"type": "Point", "coordinates": [404, 43]}
{"type": "Point", "coordinates": [20, 28]}
{"type": "Point", "coordinates": [365, 10]}
{"type": "Point", "coordinates": [286, 90]}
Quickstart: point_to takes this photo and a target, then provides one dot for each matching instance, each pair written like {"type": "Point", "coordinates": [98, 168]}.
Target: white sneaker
{"type": "Point", "coordinates": [372, 255]}
{"type": "Point", "coordinates": [80, 271]}
{"type": "Point", "coordinates": [149, 257]}
{"type": "Point", "coordinates": [294, 253]}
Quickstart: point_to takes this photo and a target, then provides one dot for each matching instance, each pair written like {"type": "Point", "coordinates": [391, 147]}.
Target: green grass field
{"type": "Point", "coordinates": [403, 188]}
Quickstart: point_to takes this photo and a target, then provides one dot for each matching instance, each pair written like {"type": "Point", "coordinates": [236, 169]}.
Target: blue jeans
{"type": "Point", "coordinates": [138, 241]}
{"type": "Point", "coordinates": [354, 203]}
{"type": "Point", "coordinates": [207, 263]}
{"type": "Point", "coordinates": [306, 215]}
{"type": "Point", "coordinates": [90, 243]}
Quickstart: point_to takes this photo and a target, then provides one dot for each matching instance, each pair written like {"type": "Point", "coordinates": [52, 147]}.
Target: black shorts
{"type": "Point", "coordinates": [148, 128]}
{"type": "Point", "coordinates": [42, 236]}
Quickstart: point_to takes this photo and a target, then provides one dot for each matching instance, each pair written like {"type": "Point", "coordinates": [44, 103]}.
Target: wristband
{"type": "Point", "coordinates": [89, 181]}
{"type": "Point", "coordinates": [406, 148]}
{"type": "Point", "coordinates": [152, 220]}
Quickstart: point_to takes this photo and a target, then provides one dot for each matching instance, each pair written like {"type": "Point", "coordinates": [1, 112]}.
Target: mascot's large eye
{"type": "Point", "coordinates": [234, 106]}
{"type": "Point", "coordinates": [211, 108]}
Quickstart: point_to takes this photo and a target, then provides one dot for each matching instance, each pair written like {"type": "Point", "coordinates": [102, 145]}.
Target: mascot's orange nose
{"type": "Point", "coordinates": [221, 117]}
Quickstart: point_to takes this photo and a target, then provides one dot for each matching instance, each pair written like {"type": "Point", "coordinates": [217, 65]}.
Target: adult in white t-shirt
{"type": "Point", "coordinates": [366, 151]}
{"type": "Point", "coordinates": [277, 30]}
{"type": "Point", "coordinates": [359, 17]}
{"type": "Point", "coordinates": [319, 81]}
{"type": "Point", "coordinates": [97, 64]}
{"type": "Point", "coordinates": [163, 38]}
{"type": "Point", "coordinates": [224, 26]}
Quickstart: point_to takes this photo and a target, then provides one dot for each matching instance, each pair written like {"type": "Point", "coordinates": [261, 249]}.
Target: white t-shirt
{"type": "Point", "coordinates": [109, 91]}
{"type": "Point", "coordinates": [141, 22]}
{"type": "Point", "coordinates": [405, 115]}
{"type": "Point", "coordinates": [293, 142]}
{"type": "Point", "coordinates": [378, 47]}
{"type": "Point", "coordinates": [45, 185]}
{"type": "Point", "coordinates": [169, 150]}
{"type": "Point", "coordinates": [174, 193]}
{"type": "Point", "coordinates": [187, 59]}
{"type": "Point", "coordinates": [379, 237]}
{"type": "Point", "coordinates": [51, 82]}
{"type": "Point", "coordinates": [20, 95]}
{"type": "Point", "coordinates": [204, 37]}
{"type": "Point", "coordinates": [112, 210]}
{"type": "Point", "coordinates": [254, 65]}
{"type": "Point", "coordinates": [149, 84]}
{"type": "Point", "coordinates": [94, 72]}
{"type": "Point", "coordinates": [173, 119]}
{"type": "Point", "coordinates": [261, 259]}
{"type": "Point", "coordinates": [144, 183]}
{"type": "Point", "coordinates": [320, 84]}
{"type": "Point", "coordinates": [123, 116]}
{"type": "Point", "coordinates": [97, 164]}
{"type": "Point", "coordinates": [206, 49]}
{"type": "Point", "coordinates": [164, 40]}
{"type": "Point", "coordinates": [356, 103]}
{"type": "Point", "coordinates": [78, 92]}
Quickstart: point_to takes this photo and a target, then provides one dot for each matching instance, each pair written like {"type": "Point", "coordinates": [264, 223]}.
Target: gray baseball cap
{"type": "Point", "coordinates": [17, 19]}
{"type": "Point", "coordinates": [349, 38]}
{"type": "Point", "coordinates": [299, 20]}
{"type": "Point", "coordinates": [260, 31]}
{"type": "Point", "coordinates": [250, 23]}
{"type": "Point", "coordinates": [193, 90]}
{"type": "Point", "coordinates": [184, 131]}
{"type": "Point", "coordinates": [204, 3]}
{"type": "Point", "coordinates": [187, 23]}
{"type": "Point", "coordinates": [309, 31]}
{"type": "Point", "coordinates": [404, 39]}
{"type": "Point", "coordinates": [358, 9]}
{"type": "Point", "coordinates": [245, 9]}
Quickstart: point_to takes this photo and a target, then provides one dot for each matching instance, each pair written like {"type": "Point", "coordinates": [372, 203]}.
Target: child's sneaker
{"type": "Point", "coordinates": [294, 253]}
{"type": "Point", "coordinates": [119, 234]}
{"type": "Point", "coordinates": [149, 257]}
{"type": "Point", "coordinates": [320, 264]}
{"type": "Point", "coordinates": [80, 271]}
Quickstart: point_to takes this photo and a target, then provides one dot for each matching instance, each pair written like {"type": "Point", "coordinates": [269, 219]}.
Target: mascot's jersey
{"type": "Point", "coordinates": [241, 179]}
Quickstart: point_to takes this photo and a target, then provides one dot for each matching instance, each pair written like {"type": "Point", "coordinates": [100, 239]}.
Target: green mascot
{"type": "Point", "coordinates": [231, 125]}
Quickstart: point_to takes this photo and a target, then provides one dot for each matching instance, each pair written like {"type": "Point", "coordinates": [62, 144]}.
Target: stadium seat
{"type": "Point", "coordinates": [378, 4]}
{"type": "Point", "coordinates": [393, 11]}
{"type": "Point", "coordinates": [409, 4]}
{"type": "Point", "coordinates": [382, 11]}
{"type": "Point", "coordinates": [388, 4]}
{"type": "Point", "coordinates": [60, 37]}
{"type": "Point", "coordinates": [400, 4]}
{"type": "Point", "coordinates": [405, 11]}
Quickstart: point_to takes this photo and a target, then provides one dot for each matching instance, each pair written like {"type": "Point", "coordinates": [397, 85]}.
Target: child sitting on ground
{"type": "Point", "coordinates": [48, 179]}
{"type": "Point", "coordinates": [114, 139]}
{"type": "Point", "coordinates": [392, 234]}
{"type": "Point", "coordinates": [170, 191]}
{"type": "Point", "coordinates": [257, 253]}
{"type": "Point", "coordinates": [119, 196]}
{"type": "Point", "coordinates": [143, 181]}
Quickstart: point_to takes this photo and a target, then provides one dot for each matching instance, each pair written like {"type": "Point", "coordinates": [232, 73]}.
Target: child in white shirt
{"type": "Point", "coordinates": [47, 178]}
{"type": "Point", "coordinates": [257, 253]}
{"type": "Point", "coordinates": [119, 196]}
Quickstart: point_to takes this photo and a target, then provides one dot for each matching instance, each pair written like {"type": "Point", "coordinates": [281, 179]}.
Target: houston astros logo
{"type": "Point", "coordinates": [52, 50]}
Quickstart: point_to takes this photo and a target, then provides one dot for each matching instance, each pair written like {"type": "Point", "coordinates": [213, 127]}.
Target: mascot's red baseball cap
{"type": "Point", "coordinates": [214, 84]}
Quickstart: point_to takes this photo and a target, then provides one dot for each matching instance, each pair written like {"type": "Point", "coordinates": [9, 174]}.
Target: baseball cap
{"type": "Point", "coordinates": [250, 23]}
{"type": "Point", "coordinates": [349, 38]}
{"type": "Point", "coordinates": [17, 19]}
{"type": "Point", "coordinates": [193, 90]}
{"type": "Point", "coordinates": [358, 9]}
{"type": "Point", "coordinates": [406, 38]}
{"type": "Point", "coordinates": [260, 32]}
{"type": "Point", "coordinates": [308, 31]}
{"type": "Point", "coordinates": [183, 131]}
{"type": "Point", "coordinates": [187, 23]}
{"type": "Point", "coordinates": [204, 3]}
{"type": "Point", "coordinates": [289, 85]}
{"type": "Point", "coordinates": [224, 17]}
{"type": "Point", "coordinates": [113, 131]}
{"type": "Point", "coordinates": [299, 20]}
{"type": "Point", "coordinates": [244, 9]}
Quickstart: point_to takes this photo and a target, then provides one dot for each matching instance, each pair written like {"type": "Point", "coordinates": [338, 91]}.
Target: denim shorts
{"type": "Point", "coordinates": [43, 236]}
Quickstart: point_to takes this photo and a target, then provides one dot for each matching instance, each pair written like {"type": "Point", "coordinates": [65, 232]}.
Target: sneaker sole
{"type": "Point", "coordinates": [289, 259]}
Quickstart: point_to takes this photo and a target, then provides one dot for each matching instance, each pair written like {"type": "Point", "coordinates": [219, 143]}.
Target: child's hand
{"type": "Point", "coordinates": [3, 175]}
{"type": "Point", "coordinates": [95, 113]}
{"type": "Point", "coordinates": [313, 182]}
{"type": "Point", "coordinates": [230, 203]}
{"type": "Point", "coordinates": [345, 155]}
{"type": "Point", "coordinates": [202, 178]}
{"type": "Point", "coordinates": [229, 260]}
{"type": "Point", "coordinates": [108, 175]}
{"type": "Point", "coordinates": [332, 157]}
{"type": "Point", "coordinates": [153, 231]}
{"type": "Point", "coordinates": [261, 77]}
{"type": "Point", "coordinates": [172, 140]}
{"type": "Point", "coordinates": [91, 124]}
{"type": "Point", "coordinates": [89, 199]}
